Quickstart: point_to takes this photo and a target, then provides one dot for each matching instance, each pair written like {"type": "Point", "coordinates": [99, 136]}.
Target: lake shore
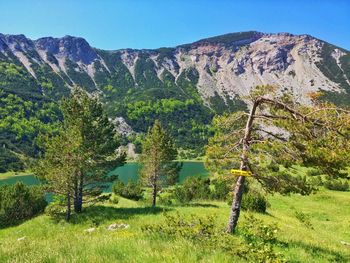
{"type": "Point", "coordinates": [127, 172]}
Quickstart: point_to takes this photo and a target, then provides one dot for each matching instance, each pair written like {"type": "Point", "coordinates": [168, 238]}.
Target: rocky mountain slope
{"type": "Point", "coordinates": [218, 68]}
{"type": "Point", "coordinates": [182, 86]}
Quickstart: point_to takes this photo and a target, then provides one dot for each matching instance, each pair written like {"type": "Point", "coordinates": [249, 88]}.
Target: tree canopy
{"type": "Point", "coordinates": [276, 134]}
{"type": "Point", "coordinates": [158, 154]}
{"type": "Point", "coordinates": [77, 160]}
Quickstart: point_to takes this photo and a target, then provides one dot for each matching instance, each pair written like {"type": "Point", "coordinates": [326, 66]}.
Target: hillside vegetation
{"type": "Point", "coordinates": [311, 229]}
{"type": "Point", "coordinates": [185, 85]}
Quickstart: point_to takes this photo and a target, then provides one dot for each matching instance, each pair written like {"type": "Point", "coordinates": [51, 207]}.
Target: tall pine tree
{"type": "Point", "coordinates": [279, 132]}
{"type": "Point", "coordinates": [98, 148]}
{"type": "Point", "coordinates": [84, 151]}
{"type": "Point", "coordinates": [60, 164]}
{"type": "Point", "coordinates": [157, 160]}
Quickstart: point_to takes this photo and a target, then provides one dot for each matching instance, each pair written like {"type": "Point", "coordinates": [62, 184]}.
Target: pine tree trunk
{"type": "Point", "coordinates": [78, 201]}
{"type": "Point", "coordinates": [80, 193]}
{"type": "Point", "coordinates": [239, 188]}
{"type": "Point", "coordinates": [68, 213]}
{"type": "Point", "coordinates": [76, 195]}
{"type": "Point", "coordinates": [236, 205]}
{"type": "Point", "coordinates": [154, 195]}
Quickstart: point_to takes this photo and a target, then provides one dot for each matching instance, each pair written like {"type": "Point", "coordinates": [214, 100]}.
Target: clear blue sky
{"type": "Point", "coordinates": [108, 24]}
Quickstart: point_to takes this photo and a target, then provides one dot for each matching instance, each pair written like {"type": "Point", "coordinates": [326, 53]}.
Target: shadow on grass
{"type": "Point", "coordinates": [99, 214]}
{"type": "Point", "coordinates": [316, 251]}
{"type": "Point", "coordinates": [15, 223]}
{"type": "Point", "coordinates": [201, 205]}
{"type": "Point", "coordinates": [268, 214]}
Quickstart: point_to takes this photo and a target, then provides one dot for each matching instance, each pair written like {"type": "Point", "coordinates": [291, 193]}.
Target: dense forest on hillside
{"type": "Point", "coordinates": [24, 113]}
{"type": "Point", "coordinates": [29, 106]}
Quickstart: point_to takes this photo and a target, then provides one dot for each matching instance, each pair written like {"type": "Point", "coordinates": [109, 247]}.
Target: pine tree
{"type": "Point", "coordinates": [158, 154]}
{"type": "Point", "coordinates": [77, 160]}
{"type": "Point", "coordinates": [98, 147]}
{"type": "Point", "coordinates": [58, 167]}
{"type": "Point", "coordinates": [278, 132]}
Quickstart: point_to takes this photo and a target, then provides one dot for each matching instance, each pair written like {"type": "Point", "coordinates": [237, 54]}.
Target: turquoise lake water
{"type": "Point", "coordinates": [127, 172]}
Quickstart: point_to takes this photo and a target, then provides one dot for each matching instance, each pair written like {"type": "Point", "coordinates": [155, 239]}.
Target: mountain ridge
{"type": "Point", "coordinates": [183, 86]}
{"type": "Point", "coordinates": [58, 52]}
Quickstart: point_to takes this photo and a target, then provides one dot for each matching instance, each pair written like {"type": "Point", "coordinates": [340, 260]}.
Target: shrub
{"type": "Point", "coordinates": [254, 201]}
{"type": "Point", "coordinates": [165, 199]}
{"type": "Point", "coordinates": [313, 172]}
{"type": "Point", "coordinates": [57, 208]}
{"type": "Point", "coordinates": [260, 239]}
{"type": "Point", "coordinates": [192, 188]}
{"type": "Point", "coordinates": [182, 195]}
{"type": "Point", "coordinates": [337, 185]}
{"type": "Point", "coordinates": [114, 199]}
{"type": "Point", "coordinates": [198, 187]}
{"type": "Point", "coordinates": [193, 228]}
{"type": "Point", "coordinates": [222, 188]}
{"type": "Point", "coordinates": [9, 161]}
{"type": "Point", "coordinates": [19, 202]}
{"type": "Point", "coordinates": [132, 190]}
{"type": "Point", "coordinates": [316, 180]}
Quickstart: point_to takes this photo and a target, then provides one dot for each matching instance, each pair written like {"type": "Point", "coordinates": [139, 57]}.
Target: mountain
{"type": "Point", "coordinates": [226, 66]}
{"type": "Point", "coordinates": [183, 86]}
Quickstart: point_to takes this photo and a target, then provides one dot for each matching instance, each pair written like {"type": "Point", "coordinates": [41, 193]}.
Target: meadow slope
{"type": "Point", "coordinates": [320, 240]}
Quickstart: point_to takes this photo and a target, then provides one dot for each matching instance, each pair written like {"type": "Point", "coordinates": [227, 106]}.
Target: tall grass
{"type": "Point", "coordinates": [49, 241]}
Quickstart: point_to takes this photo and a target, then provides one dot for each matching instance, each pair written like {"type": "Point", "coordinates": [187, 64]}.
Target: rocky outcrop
{"type": "Point", "coordinates": [76, 49]}
{"type": "Point", "coordinates": [122, 127]}
{"type": "Point", "coordinates": [228, 65]}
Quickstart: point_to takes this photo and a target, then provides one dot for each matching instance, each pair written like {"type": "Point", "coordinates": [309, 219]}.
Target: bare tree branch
{"type": "Point", "coordinates": [272, 134]}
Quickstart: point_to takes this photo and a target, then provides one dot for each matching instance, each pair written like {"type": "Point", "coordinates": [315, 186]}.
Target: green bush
{"type": "Point", "coordinates": [337, 185]}
{"type": "Point", "coordinates": [316, 180]}
{"type": "Point", "coordinates": [19, 202]}
{"type": "Point", "coordinates": [182, 195]}
{"type": "Point", "coordinates": [166, 199]}
{"type": "Point", "coordinates": [192, 188]}
{"type": "Point", "coordinates": [260, 238]}
{"type": "Point", "coordinates": [114, 199]}
{"type": "Point", "coordinates": [193, 228]}
{"type": "Point", "coordinates": [57, 208]}
{"type": "Point", "coordinates": [198, 187]}
{"type": "Point", "coordinates": [132, 190]}
{"type": "Point", "coordinates": [313, 172]}
{"type": "Point", "coordinates": [222, 187]}
{"type": "Point", "coordinates": [254, 201]}
{"type": "Point", "coordinates": [9, 161]}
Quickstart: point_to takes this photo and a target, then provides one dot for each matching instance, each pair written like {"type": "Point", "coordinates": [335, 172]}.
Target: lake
{"type": "Point", "coordinates": [127, 172]}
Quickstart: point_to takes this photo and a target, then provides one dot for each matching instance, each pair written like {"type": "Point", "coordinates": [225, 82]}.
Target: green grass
{"type": "Point", "coordinates": [48, 241]}
{"type": "Point", "coordinates": [9, 174]}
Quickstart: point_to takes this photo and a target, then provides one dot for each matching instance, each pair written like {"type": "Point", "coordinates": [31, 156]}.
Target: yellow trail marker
{"type": "Point", "coordinates": [241, 172]}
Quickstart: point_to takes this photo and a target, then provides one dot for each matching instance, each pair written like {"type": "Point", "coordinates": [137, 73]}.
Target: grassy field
{"type": "Point", "coordinates": [316, 240]}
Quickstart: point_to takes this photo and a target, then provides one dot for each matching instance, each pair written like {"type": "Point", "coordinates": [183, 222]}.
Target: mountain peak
{"type": "Point", "coordinates": [76, 49]}
{"type": "Point", "coordinates": [230, 39]}
{"type": "Point", "coordinates": [226, 66]}
{"type": "Point", "coordinates": [15, 42]}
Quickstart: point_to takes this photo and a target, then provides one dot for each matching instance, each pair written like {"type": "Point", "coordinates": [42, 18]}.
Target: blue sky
{"type": "Point", "coordinates": [108, 24]}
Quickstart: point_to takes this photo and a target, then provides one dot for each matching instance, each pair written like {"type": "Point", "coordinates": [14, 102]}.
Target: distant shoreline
{"type": "Point", "coordinates": [178, 160]}
{"type": "Point", "coordinates": [6, 175]}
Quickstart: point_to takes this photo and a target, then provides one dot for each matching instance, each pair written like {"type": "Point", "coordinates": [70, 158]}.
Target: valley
{"type": "Point", "coordinates": [143, 131]}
